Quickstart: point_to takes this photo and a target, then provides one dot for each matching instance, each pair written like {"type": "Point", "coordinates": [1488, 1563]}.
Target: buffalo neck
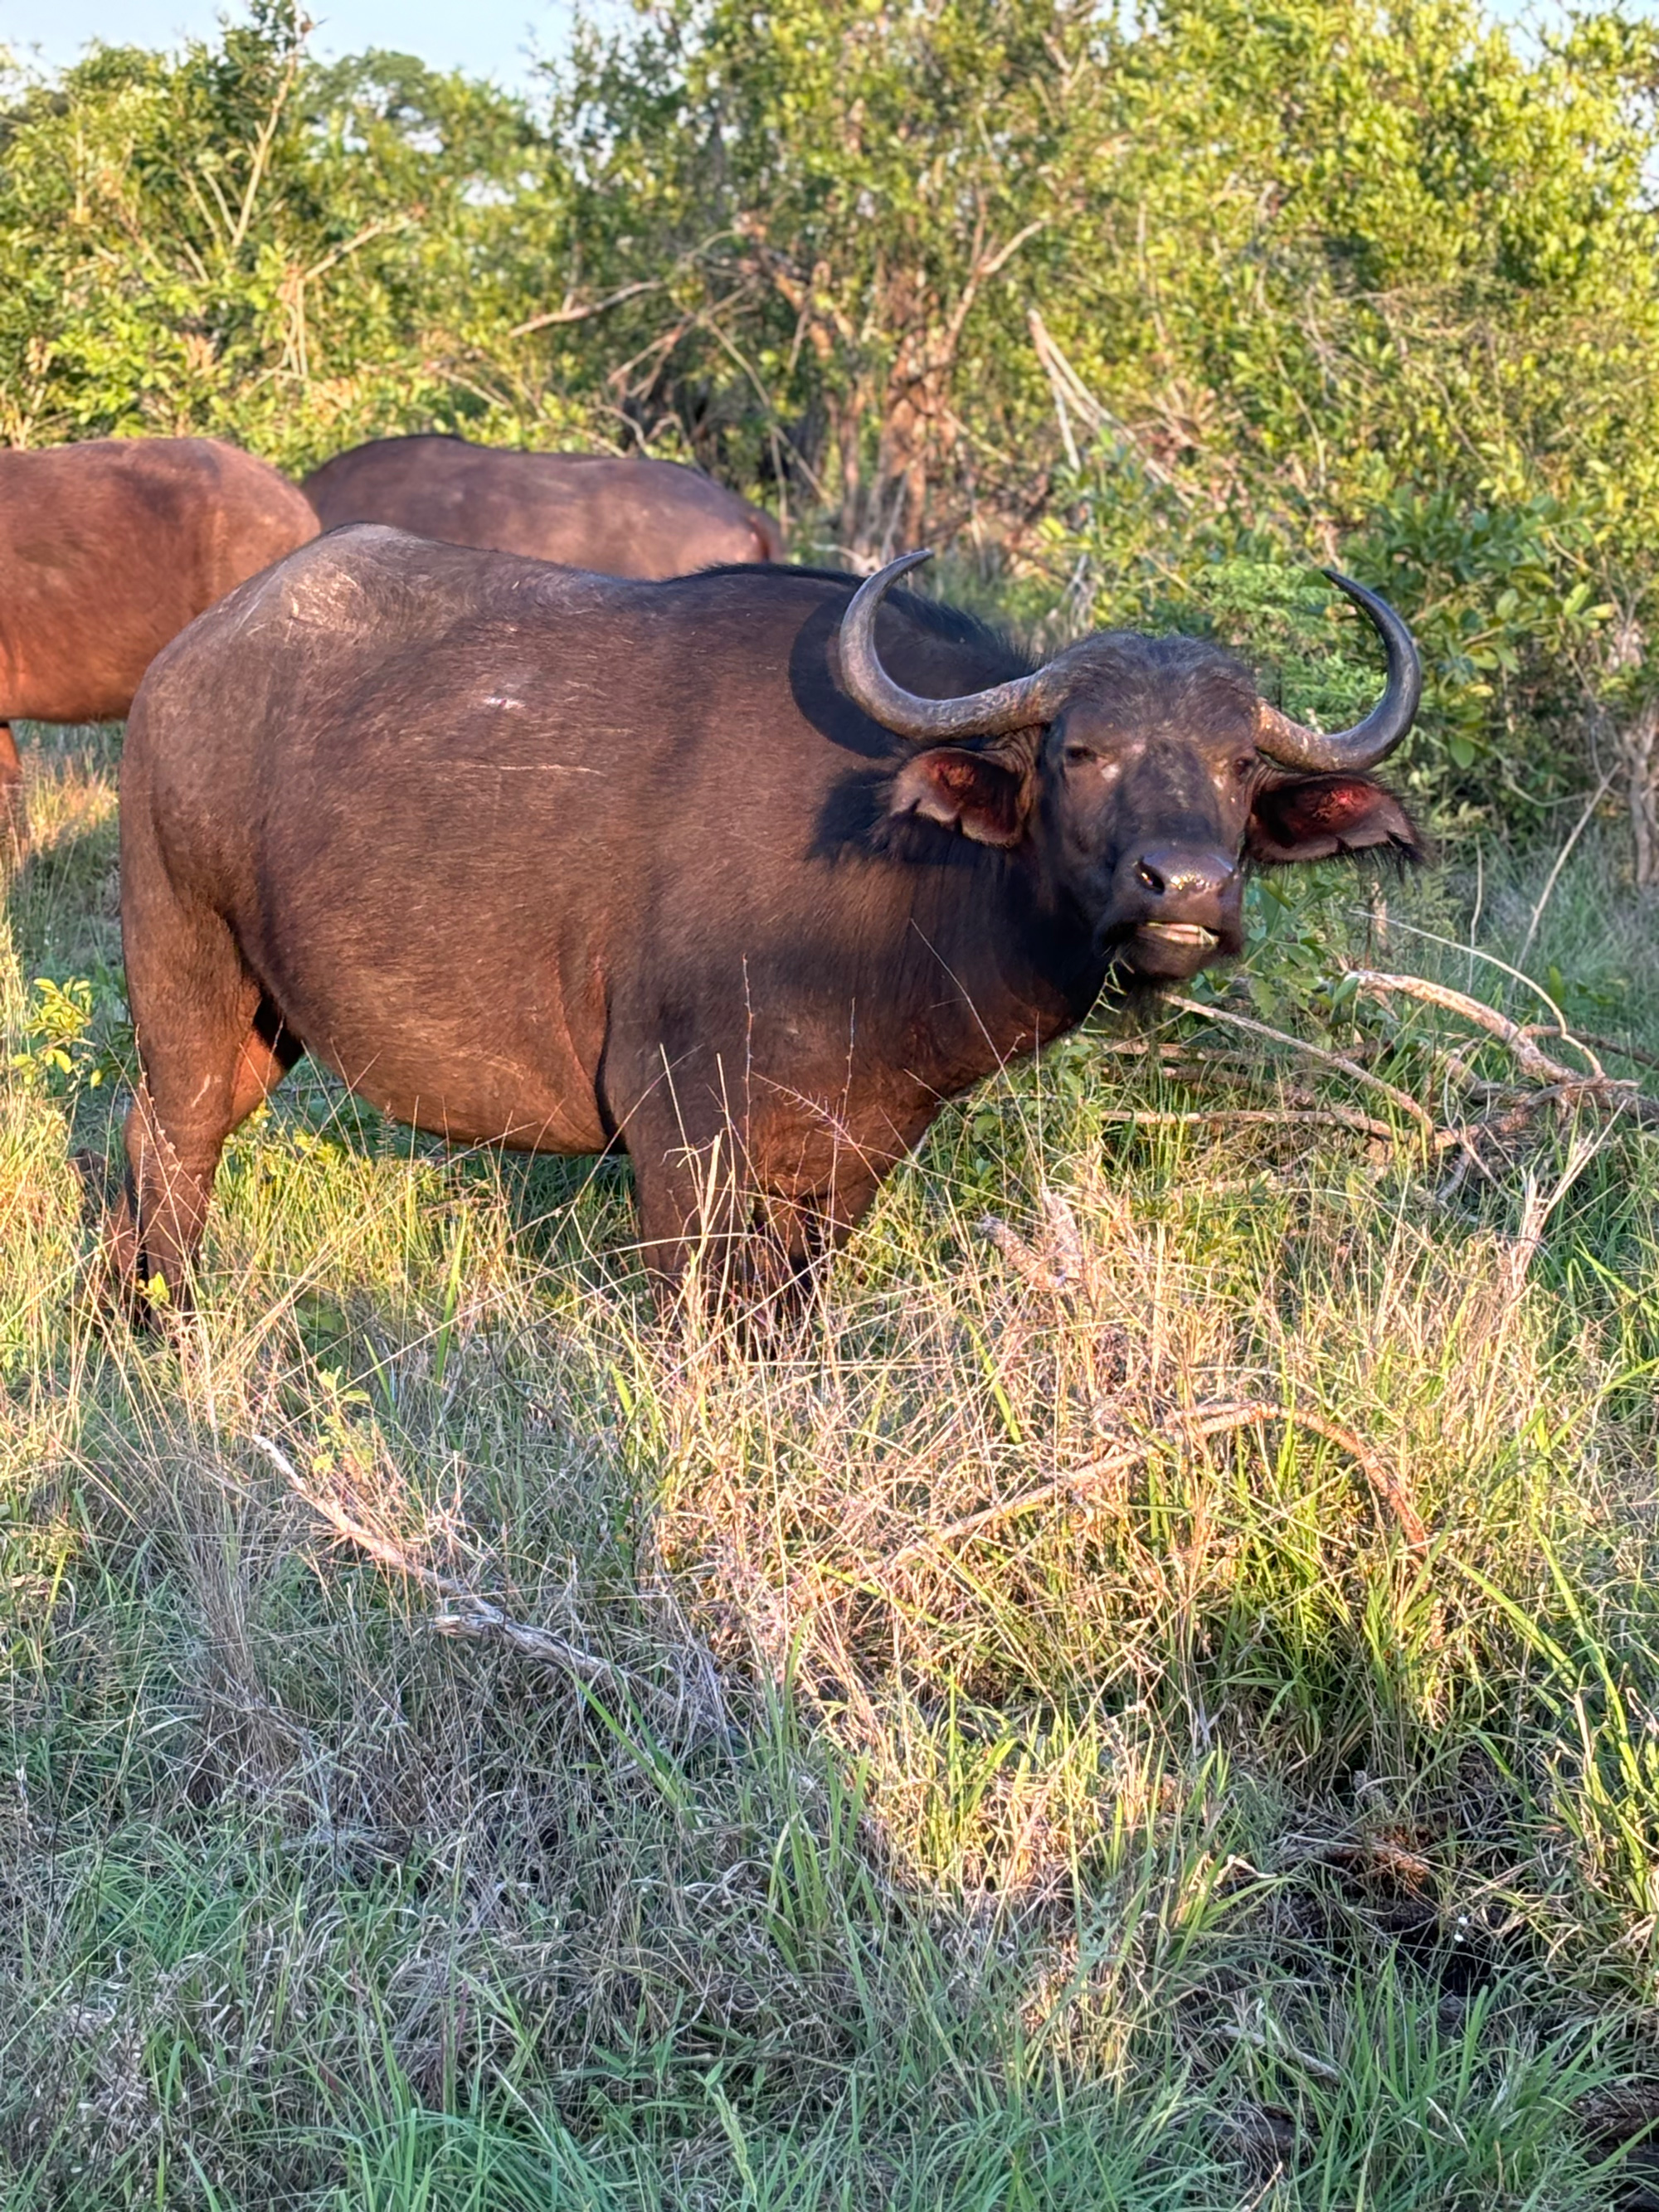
{"type": "Point", "coordinates": [1006, 964]}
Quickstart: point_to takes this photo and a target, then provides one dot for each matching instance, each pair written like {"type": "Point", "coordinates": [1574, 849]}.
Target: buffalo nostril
{"type": "Point", "coordinates": [1176, 873]}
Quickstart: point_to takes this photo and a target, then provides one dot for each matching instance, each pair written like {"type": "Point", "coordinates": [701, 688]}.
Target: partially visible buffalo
{"type": "Point", "coordinates": [724, 871]}
{"type": "Point", "coordinates": [107, 551]}
{"type": "Point", "coordinates": [621, 518]}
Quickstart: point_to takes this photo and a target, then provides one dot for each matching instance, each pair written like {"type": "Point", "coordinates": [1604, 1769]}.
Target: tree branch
{"type": "Point", "coordinates": [568, 313]}
{"type": "Point", "coordinates": [262, 152]}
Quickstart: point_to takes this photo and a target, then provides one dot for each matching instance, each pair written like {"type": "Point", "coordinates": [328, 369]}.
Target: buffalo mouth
{"type": "Point", "coordinates": [1171, 951]}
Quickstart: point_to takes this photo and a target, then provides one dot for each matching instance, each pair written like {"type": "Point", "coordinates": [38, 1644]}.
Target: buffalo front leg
{"type": "Point", "coordinates": [745, 1232]}
{"type": "Point", "coordinates": [693, 1208]}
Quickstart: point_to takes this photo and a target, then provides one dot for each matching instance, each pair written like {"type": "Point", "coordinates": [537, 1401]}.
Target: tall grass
{"type": "Point", "coordinates": [1178, 1835]}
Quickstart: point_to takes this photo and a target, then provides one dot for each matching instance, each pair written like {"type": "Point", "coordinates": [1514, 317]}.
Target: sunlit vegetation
{"type": "Point", "coordinates": [1149, 1696]}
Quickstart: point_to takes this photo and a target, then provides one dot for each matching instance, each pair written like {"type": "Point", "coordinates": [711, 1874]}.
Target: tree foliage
{"type": "Point", "coordinates": [1142, 315]}
{"type": "Point", "coordinates": [240, 243]}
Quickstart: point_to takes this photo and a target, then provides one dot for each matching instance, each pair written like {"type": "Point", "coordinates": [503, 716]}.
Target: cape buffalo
{"type": "Point", "coordinates": [725, 871]}
{"type": "Point", "coordinates": [107, 551]}
{"type": "Point", "coordinates": [623, 518]}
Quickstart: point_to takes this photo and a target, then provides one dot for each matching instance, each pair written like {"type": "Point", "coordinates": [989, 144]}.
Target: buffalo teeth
{"type": "Point", "coordinates": [1182, 933]}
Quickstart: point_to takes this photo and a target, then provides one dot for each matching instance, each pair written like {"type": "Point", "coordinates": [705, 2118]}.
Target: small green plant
{"type": "Point", "coordinates": [61, 1056]}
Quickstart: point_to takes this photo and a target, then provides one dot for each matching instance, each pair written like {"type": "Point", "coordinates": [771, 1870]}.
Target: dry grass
{"type": "Point", "coordinates": [468, 1747]}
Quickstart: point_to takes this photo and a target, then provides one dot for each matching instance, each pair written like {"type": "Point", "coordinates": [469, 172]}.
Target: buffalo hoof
{"type": "Point", "coordinates": [149, 1308]}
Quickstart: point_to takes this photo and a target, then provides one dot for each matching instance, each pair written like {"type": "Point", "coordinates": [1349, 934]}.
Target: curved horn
{"type": "Point", "coordinates": [992, 713]}
{"type": "Point", "coordinates": [1294, 745]}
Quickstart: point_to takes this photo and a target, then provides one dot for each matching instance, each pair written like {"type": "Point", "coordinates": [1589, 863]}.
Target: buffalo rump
{"type": "Point", "coordinates": [107, 549]}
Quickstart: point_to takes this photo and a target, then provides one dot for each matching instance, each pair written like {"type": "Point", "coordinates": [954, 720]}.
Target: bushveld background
{"type": "Point", "coordinates": [1151, 1697]}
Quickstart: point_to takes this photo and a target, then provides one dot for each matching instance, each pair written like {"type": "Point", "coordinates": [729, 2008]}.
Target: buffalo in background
{"type": "Point", "coordinates": [745, 873]}
{"type": "Point", "coordinates": [107, 549]}
{"type": "Point", "coordinates": [621, 517]}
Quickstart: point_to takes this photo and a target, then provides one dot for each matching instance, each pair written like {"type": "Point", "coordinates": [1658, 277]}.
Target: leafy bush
{"type": "Point", "coordinates": [1111, 304]}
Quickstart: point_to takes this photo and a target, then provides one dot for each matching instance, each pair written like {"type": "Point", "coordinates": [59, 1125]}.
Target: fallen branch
{"type": "Point", "coordinates": [1536, 1208]}
{"type": "Point", "coordinates": [1408, 1105]}
{"type": "Point", "coordinates": [1141, 1048]}
{"type": "Point", "coordinates": [1067, 1268]}
{"type": "Point", "coordinates": [1518, 1037]}
{"type": "Point", "coordinates": [1187, 1427]}
{"type": "Point", "coordinates": [474, 1617]}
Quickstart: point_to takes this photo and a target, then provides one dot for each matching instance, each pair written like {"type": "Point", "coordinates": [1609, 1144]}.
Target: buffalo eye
{"type": "Point", "coordinates": [1076, 756]}
{"type": "Point", "coordinates": [1245, 765]}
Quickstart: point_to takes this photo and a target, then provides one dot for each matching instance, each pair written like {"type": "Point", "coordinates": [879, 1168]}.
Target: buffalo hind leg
{"type": "Point", "coordinates": [192, 1093]}
{"type": "Point", "coordinates": [13, 814]}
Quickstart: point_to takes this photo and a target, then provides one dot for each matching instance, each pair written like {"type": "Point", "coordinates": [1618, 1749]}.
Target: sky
{"type": "Point", "coordinates": [488, 38]}
{"type": "Point", "coordinates": [497, 39]}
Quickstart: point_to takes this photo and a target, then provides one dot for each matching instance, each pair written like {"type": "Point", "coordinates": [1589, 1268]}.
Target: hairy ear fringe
{"type": "Point", "coordinates": [1338, 815]}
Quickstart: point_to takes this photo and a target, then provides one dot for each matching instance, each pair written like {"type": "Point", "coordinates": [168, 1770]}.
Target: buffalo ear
{"type": "Point", "coordinates": [983, 795]}
{"type": "Point", "coordinates": [1316, 818]}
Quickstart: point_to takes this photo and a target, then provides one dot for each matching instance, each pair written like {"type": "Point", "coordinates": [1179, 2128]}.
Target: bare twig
{"type": "Point", "coordinates": [478, 1618]}
{"type": "Point", "coordinates": [1062, 1267]}
{"type": "Point", "coordinates": [1488, 960]}
{"type": "Point", "coordinates": [1600, 1044]}
{"type": "Point", "coordinates": [984, 266]}
{"type": "Point", "coordinates": [1064, 1237]}
{"type": "Point", "coordinates": [1187, 1427]}
{"type": "Point", "coordinates": [1536, 1208]}
{"type": "Point", "coordinates": [1142, 1049]}
{"type": "Point", "coordinates": [1406, 1104]}
{"type": "Point", "coordinates": [1029, 1265]}
{"type": "Point", "coordinates": [385, 226]}
{"type": "Point", "coordinates": [1073, 396]}
{"type": "Point", "coordinates": [262, 152]}
{"type": "Point", "coordinates": [294, 284]}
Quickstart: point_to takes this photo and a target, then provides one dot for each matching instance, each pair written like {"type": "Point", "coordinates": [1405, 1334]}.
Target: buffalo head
{"type": "Point", "coordinates": [1145, 774]}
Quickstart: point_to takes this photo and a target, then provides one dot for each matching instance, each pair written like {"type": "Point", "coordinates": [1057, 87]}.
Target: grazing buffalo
{"type": "Point", "coordinates": [107, 551]}
{"type": "Point", "coordinates": [621, 517]}
{"type": "Point", "coordinates": [745, 873]}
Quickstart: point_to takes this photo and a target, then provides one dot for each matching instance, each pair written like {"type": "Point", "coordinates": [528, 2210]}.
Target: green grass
{"type": "Point", "coordinates": [1185, 1841]}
